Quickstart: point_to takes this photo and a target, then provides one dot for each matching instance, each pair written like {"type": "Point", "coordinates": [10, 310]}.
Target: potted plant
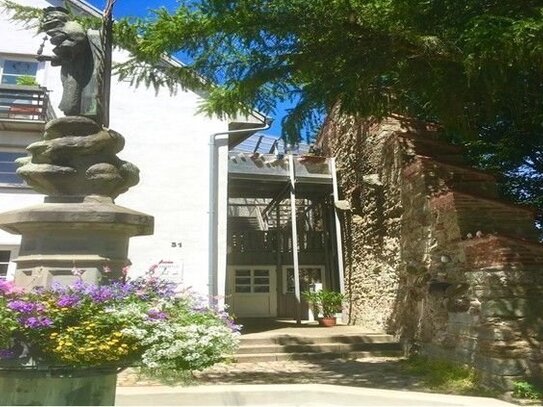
{"type": "Point", "coordinates": [75, 339]}
{"type": "Point", "coordinates": [325, 303]}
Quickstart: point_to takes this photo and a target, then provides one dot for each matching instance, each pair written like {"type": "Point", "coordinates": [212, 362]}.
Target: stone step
{"type": "Point", "coordinates": [302, 339]}
{"type": "Point", "coordinates": [317, 348]}
{"type": "Point", "coordinates": [278, 357]}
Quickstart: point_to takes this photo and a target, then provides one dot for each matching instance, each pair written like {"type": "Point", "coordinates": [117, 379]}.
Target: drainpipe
{"type": "Point", "coordinates": [216, 274]}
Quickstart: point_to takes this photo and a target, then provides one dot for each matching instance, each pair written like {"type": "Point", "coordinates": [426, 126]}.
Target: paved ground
{"type": "Point", "coordinates": [372, 381]}
{"type": "Point", "coordinates": [264, 327]}
{"type": "Point", "coordinates": [291, 395]}
{"type": "Point", "coordinates": [385, 373]}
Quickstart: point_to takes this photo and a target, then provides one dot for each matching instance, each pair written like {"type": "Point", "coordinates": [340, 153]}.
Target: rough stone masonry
{"type": "Point", "coordinates": [433, 255]}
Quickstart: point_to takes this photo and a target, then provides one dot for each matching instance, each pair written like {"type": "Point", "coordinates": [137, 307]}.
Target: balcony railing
{"type": "Point", "coordinates": [28, 103]}
{"type": "Point", "coordinates": [251, 241]}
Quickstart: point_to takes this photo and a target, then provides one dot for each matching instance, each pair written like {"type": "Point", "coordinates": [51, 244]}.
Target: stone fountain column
{"type": "Point", "coordinates": [78, 232]}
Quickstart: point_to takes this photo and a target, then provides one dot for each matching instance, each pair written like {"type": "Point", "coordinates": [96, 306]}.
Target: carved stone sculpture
{"type": "Point", "coordinates": [81, 56]}
{"type": "Point", "coordinates": [78, 232]}
{"type": "Point", "coordinates": [77, 158]}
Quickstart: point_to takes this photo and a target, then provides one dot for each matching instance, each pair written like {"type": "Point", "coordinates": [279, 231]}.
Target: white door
{"type": "Point", "coordinates": [252, 291]}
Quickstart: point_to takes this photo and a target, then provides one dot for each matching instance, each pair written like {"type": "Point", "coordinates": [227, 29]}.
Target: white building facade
{"type": "Point", "coordinates": [182, 159]}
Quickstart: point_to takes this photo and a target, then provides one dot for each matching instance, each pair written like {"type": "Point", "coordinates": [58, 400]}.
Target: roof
{"type": "Point", "coordinates": [266, 144]}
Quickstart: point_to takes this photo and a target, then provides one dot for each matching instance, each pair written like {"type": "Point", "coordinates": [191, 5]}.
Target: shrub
{"type": "Point", "coordinates": [526, 390]}
{"type": "Point", "coordinates": [142, 322]}
{"type": "Point", "coordinates": [325, 302]}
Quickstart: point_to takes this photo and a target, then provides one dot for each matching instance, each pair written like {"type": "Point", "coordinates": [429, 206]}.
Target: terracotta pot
{"type": "Point", "coordinates": [327, 321]}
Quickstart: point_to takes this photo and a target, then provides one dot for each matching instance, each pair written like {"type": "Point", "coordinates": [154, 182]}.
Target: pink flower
{"type": "Point", "coordinates": [106, 269]}
{"type": "Point", "coordinates": [8, 287]}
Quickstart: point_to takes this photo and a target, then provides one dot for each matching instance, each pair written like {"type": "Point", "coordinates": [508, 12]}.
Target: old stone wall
{"type": "Point", "coordinates": [432, 254]}
{"type": "Point", "coordinates": [368, 178]}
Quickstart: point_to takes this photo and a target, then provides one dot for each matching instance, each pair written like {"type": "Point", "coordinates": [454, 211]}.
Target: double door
{"type": "Point", "coordinates": [252, 291]}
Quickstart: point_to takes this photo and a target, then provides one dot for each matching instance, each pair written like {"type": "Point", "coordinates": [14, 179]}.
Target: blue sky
{"type": "Point", "coordinates": [125, 8]}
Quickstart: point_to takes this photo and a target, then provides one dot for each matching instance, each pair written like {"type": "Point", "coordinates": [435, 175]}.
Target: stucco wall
{"type": "Point", "coordinates": [171, 146]}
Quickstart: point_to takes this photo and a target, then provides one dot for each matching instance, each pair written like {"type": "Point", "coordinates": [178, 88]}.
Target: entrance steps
{"type": "Point", "coordinates": [322, 346]}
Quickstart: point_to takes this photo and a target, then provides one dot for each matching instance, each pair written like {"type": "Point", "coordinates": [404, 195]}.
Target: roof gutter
{"type": "Point", "coordinates": [218, 198]}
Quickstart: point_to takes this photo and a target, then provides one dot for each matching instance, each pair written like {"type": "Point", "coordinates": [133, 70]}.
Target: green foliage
{"type": "Point", "coordinates": [474, 66]}
{"type": "Point", "coordinates": [26, 80]}
{"type": "Point", "coordinates": [325, 302]}
{"type": "Point", "coordinates": [436, 59]}
{"type": "Point", "coordinates": [526, 390]}
{"type": "Point", "coordinates": [446, 377]}
{"type": "Point", "coordinates": [29, 16]}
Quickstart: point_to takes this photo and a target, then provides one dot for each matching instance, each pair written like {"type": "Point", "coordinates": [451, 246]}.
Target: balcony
{"type": "Point", "coordinates": [263, 247]}
{"type": "Point", "coordinates": [24, 108]}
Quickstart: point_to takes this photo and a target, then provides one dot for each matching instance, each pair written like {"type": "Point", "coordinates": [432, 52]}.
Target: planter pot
{"type": "Point", "coordinates": [327, 321]}
{"type": "Point", "coordinates": [57, 386]}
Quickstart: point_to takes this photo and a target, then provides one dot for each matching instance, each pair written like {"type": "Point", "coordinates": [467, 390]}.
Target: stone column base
{"type": "Point", "coordinates": [66, 241]}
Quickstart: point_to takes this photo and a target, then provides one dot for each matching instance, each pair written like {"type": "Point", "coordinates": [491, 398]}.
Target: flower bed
{"type": "Point", "coordinates": [142, 322]}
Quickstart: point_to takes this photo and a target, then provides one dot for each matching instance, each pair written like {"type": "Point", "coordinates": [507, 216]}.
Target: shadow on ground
{"type": "Point", "coordinates": [257, 325]}
{"type": "Point", "coordinates": [385, 374]}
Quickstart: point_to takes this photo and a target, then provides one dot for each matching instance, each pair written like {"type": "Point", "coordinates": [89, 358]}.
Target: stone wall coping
{"type": "Point", "coordinates": [499, 202]}
{"type": "Point", "coordinates": [505, 238]}
{"type": "Point", "coordinates": [463, 168]}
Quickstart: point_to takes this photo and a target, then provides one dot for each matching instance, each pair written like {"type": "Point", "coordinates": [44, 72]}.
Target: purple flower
{"type": "Point", "coordinates": [101, 294]}
{"type": "Point", "coordinates": [7, 354]}
{"type": "Point", "coordinates": [157, 315]}
{"type": "Point", "coordinates": [36, 322]}
{"type": "Point", "coordinates": [67, 301]}
{"type": "Point", "coordinates": [25, 307]}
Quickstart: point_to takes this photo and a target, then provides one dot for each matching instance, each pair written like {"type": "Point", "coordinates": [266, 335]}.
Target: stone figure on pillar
{"type": "Point", "coordinates": [77, 156]}
{"type": "Point", "coordinates": [75, 164]}
{"type": "Point", "coordinates": [82, 58]}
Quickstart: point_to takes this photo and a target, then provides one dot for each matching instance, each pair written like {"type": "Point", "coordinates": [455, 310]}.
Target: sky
{"type": "Point", "coordinates": [140, 8]}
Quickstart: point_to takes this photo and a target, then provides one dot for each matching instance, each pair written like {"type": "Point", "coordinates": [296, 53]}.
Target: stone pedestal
{"type": "Point", "coordinates": [78, 232]}
{"type": "Point", "coordinates": [61, 240]}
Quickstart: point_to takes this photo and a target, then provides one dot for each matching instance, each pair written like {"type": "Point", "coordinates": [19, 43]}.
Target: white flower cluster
{"type": "Point", "coordinates": [192, 347]}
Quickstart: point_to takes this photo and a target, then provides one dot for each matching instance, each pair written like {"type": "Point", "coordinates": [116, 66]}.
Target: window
{"type": "Point", "coordinates": [13, 69]}
{"type": "Point", "coordinates": [252, 281]}
{"type": "Point", "coordinates": [8, 174]}
{"type": "Point", "coordinates": [5, 256]}
{"type": "Point", "coordinates": [308, 276]}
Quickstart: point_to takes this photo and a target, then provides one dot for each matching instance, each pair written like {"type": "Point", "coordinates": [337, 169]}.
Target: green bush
{"type": "Point", "coordinates": [525, 390]}
{"type": "Point", "coordinates": [325, 302]}
{"type": "Point", "coordinates": [447, 377]}
{"type": "Point", "coordinates": [26, 80]}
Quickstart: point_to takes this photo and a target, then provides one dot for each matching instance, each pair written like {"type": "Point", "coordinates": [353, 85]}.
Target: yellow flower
{"type": "Point", "coordinates": [53, 334]}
